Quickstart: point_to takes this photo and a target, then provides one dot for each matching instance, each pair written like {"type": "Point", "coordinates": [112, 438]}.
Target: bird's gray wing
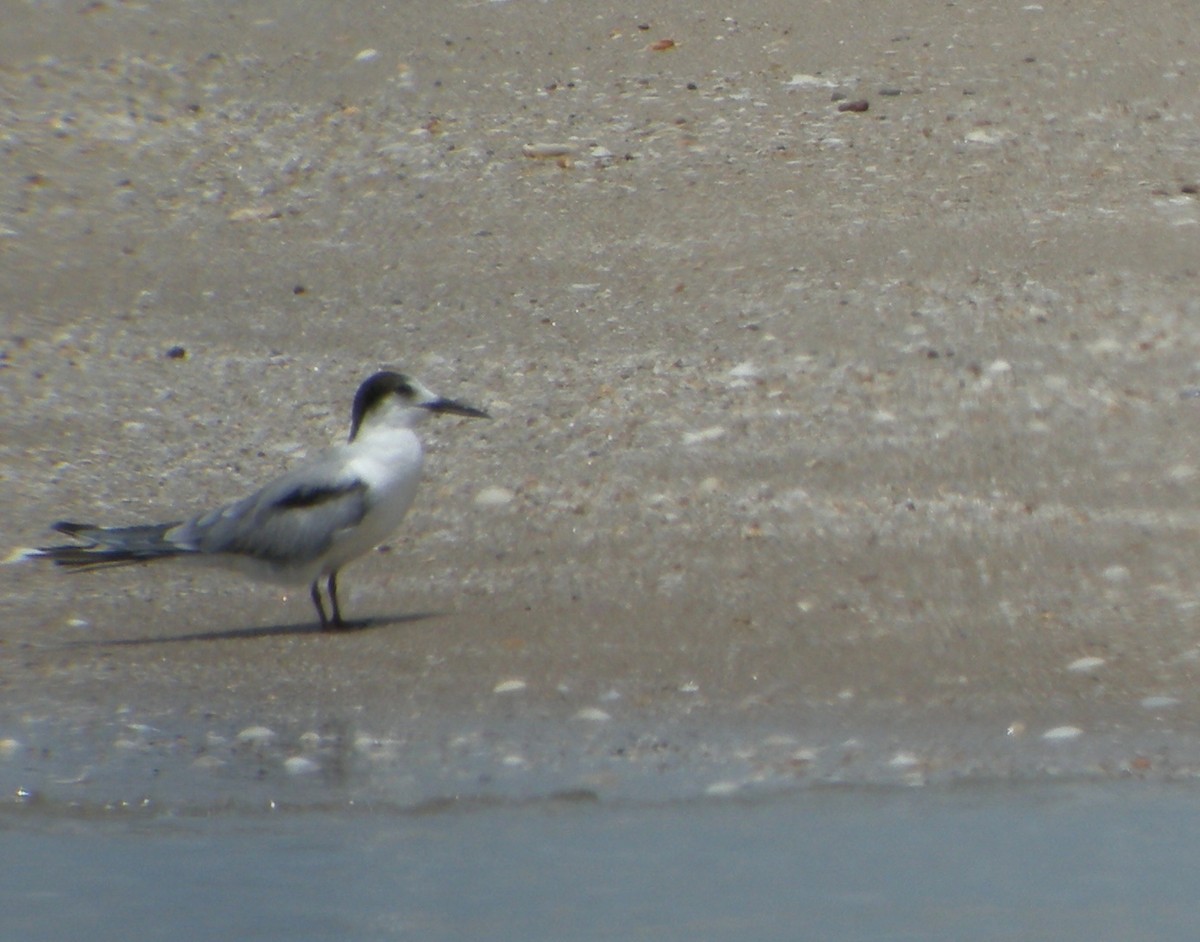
{"type": "Point", "coordinates": [291, 521]}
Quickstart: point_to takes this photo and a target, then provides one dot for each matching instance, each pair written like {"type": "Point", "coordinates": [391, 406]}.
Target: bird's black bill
{"type": "Point", "coordinates": [451, 407]}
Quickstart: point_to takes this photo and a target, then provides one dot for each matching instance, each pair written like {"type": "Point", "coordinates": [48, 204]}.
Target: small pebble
{"type": "Point", "coordinates": [253, 214]}
{"type": "Point", "coordinates": [510, 686]}
{"type": "Point", "coordinates": [1062, 733]}
{"type": "Point", "coordinates": [547, 151]}
{"type": "Point", "coordinates": [367, 55]}
{"type": "Point", "coordinates": [712, 433]}
{"type": "Point", "coordinates": [300, 765]}
{"type": "Point", "coordinates": [494, 496]}
{"type": "Point", "coordinates": [982, 136]}
{"type": "Point", "coordinates": [176, 353]}
{"type": "Point", "coordinates": [1085, 665]}
{"type": "Point", "coordinates": [1105, 346]}
{"type": "Point", "coordinates": [593, 715]}
{"type": "Point", "coordinates": [256, 736]}
{"type": "Point", "coordinates": [721, 789]}
{"type": "Point", "coordinates": [855, 106]}
{"type": "Point", "coordinates": [1159, 703]}
{"type": "Point", "coordinates": [804, 80]}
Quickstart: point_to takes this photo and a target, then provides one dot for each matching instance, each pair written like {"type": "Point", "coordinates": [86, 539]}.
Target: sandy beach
{"type": "Point", "coordinates": [829, 444]}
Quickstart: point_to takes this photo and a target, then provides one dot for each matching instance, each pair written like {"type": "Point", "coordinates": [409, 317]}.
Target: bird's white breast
{"type": "Point", "coordinates": [389, 462]}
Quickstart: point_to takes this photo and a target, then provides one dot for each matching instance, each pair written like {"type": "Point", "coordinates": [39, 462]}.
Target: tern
{"type": "Point", "coordinates": [305, 525]}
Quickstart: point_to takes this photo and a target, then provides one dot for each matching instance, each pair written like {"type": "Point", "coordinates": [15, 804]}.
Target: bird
{"type": "Point", "coordinates": [305, 525]}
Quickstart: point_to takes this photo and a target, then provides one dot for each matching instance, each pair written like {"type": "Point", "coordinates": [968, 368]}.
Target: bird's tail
{"type": "Point", "coordinates": [109, 546]}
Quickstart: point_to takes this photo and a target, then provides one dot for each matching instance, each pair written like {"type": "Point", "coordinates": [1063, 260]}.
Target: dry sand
{"type": "Point", "coordinates": [827, 444]}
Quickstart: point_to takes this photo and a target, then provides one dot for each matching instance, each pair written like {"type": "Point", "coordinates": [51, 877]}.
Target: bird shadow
{"type": "Point", "coordinates": [353, 626]}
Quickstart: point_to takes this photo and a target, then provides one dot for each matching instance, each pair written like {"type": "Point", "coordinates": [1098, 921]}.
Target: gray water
{"type": "Point", "coordinates": [1068, 862]}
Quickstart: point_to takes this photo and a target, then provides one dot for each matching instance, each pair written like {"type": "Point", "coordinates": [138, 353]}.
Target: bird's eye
{"type": "Point", "coordinates": [405, 390]}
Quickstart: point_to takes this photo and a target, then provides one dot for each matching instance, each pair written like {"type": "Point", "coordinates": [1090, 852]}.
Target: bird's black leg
{"type": "Point", "coordinates": [315, 593]}
{"type": "Point", "coordinates": [337, 612]}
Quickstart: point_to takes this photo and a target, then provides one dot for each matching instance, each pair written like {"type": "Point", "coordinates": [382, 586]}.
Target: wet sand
{"type": "Point", "coordinates": [829, 446]}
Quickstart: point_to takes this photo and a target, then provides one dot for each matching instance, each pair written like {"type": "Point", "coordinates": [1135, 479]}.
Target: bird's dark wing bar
{"type": "Point", "coordinates": [309, 496]}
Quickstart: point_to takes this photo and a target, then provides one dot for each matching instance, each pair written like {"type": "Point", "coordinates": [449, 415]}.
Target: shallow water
{"type": "Point", "coordinates": [1072, 861]}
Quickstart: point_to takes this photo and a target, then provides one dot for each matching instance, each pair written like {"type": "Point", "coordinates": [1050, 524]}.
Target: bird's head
{"type": "Point", "coordinates": [399, 400]}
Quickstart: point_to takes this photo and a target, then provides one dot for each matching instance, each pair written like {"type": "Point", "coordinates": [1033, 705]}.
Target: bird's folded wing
{"type": "Point", "coordinates": [291, 521]}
